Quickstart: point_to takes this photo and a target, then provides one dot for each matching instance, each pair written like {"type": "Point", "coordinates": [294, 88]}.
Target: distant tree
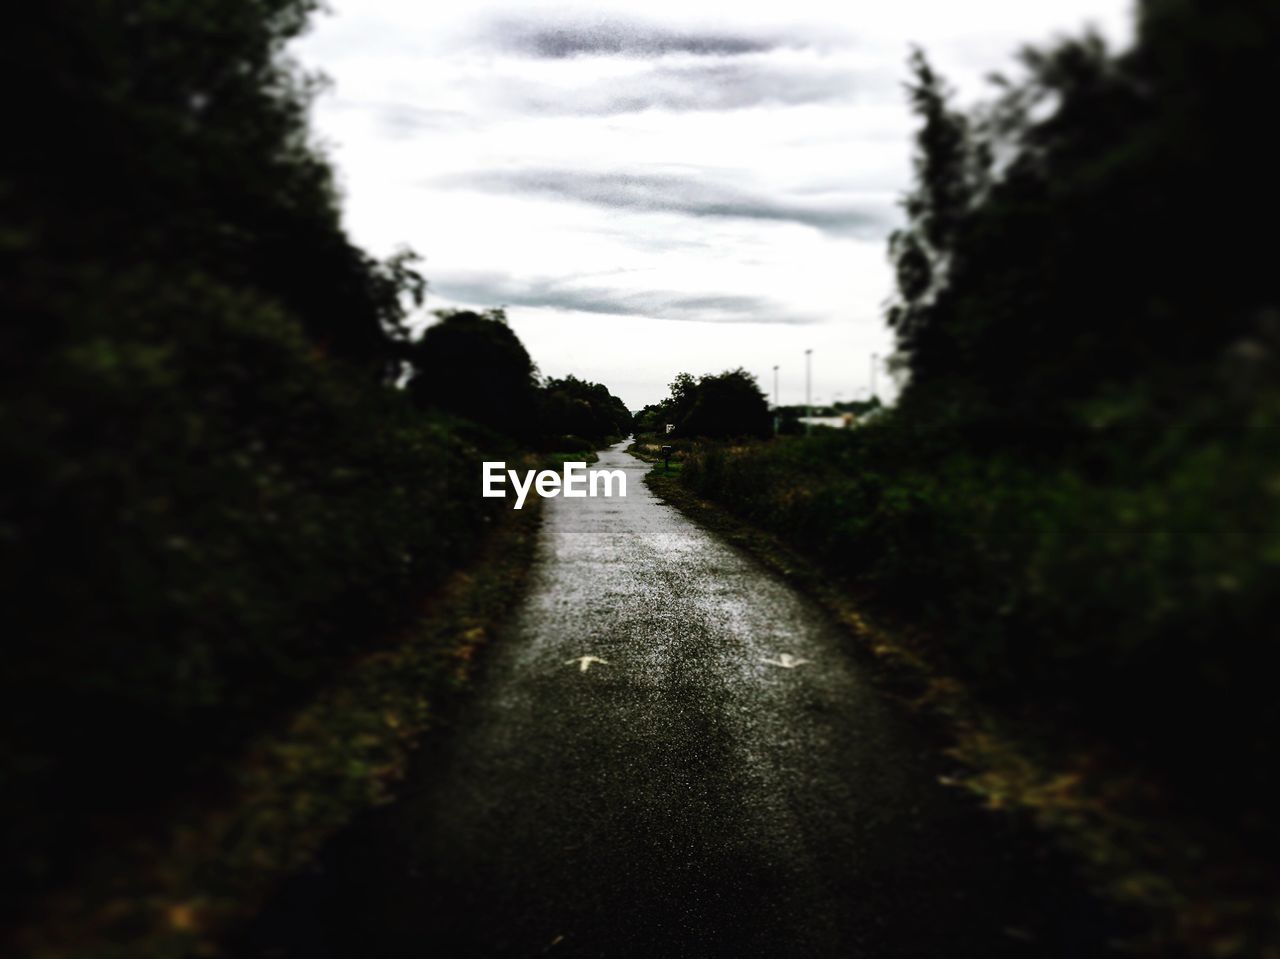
{"type": "Point", "coordinates": [573, 407]}
{"type": "Point", "coordinates": [789, 421]}
{"type": "Point", "coordinates": [859, 407]}
{"type": "Point", "coordinates": [474, 365]}
{"type": "Point", "coordinates": [727, 405]}
{"type": "Point", "coordinates": [683, 394]}
{"type": "Point", "coordinates": [651, 418]}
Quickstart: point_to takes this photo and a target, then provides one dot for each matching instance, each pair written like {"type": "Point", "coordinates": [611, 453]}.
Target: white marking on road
{"type": "Point", "coordinates": [786, 661]}
{"type": "Point", "coordinates": [584, 662]}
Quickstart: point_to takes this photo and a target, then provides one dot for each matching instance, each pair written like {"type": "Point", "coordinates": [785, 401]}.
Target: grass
{"type": "Point", "coordinates": [556, 460]}
{"type": "Point", "coordinates": [173, 894]}
{"type": "Point", "coordinates": [1195, 888]}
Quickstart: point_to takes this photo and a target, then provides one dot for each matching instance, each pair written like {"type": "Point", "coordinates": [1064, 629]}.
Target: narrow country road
{"type": "Point", "coordinates": [722, 780]}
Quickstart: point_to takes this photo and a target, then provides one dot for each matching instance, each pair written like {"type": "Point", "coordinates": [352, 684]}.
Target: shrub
{"type": "Point", "coordinates": [203, 518]}
{"type": "Point", "coordinates": [1115, 605]}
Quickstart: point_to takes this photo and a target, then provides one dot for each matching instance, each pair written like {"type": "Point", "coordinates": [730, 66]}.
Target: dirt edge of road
{"type": "Point", "coordinates": [211, 865]}
{"type": "Point", "coordinates": [1156, 869]}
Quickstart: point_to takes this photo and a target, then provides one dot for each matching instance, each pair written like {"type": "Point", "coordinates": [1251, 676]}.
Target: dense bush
{"type": "Point", "coordinates": [571, 408]}
{"type": "Point", "coordinates": [474, 365]}
{"type": "Point", "coordinates": [203, 517]}
{"type": "Point", "coordinates": [215, 492]}
{"type": "Point", "coordinates": [213, 496]}
{"type": "Point", "coordinates": [716, 406]}
{"type": "Point", "coordinates": [1113, 606]}
{"type": "Point", "coordinates": [1077, 490]}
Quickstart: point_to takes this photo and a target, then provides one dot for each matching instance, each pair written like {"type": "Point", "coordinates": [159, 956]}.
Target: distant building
{"type": "Point", "coordinates": [840, 422]}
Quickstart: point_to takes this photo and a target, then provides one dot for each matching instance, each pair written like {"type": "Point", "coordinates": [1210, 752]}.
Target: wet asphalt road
{"type": "Point", "coordinates": [685, 797]}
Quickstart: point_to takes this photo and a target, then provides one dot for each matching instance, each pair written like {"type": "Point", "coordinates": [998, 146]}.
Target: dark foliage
{"type": "Point", "coordinates": [571, 407]}
{"type": "Point", "coordinates": [717, 406]}
{"type": "Point", "coordinates": [212, 496]}
{"type": "Point", "coordinates": [176, 133]}
{"type": "Point", "coordinates": [1077, 491]}
{"type": "Point", "coordinates": [1084, 233]}
{"type": "Point", "coordinates": [473, 365]}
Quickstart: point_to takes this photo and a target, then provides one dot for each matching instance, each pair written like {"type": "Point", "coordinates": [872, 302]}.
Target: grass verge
{"type": "Point", "coordinates": [1189, 901]}
{"type": "Point", "coordinates": [214, 862]}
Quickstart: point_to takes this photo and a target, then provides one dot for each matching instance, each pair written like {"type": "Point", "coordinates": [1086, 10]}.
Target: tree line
{"type": "Point", "coordinates": [715, 406]}
{"type": "Point", "coordinates": [474, 365]}
{"type": "Point", "coordinates": [217, 489]}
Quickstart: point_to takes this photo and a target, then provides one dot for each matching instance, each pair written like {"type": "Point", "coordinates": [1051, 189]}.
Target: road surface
{"type": "Point", "coordinates": [721, 779]}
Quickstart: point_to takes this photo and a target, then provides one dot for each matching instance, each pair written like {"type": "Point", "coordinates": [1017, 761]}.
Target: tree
{"type": "Point", "coordinates": [651, 418]}
{"type": "Point", "coordinates": [574, 407]}
{"type": "Point", "coordinates": [473, 365]}
{"type": "Point", "coordinates": [175, 132]}
{"type": "Point", "coordinates": [922, 253]}
{"type": "Point", "coordinates": [683, 394]}
{"type": "Point", "coordinates": [212, 497]}
{"type": "Point", "coordinates": [726, 406]}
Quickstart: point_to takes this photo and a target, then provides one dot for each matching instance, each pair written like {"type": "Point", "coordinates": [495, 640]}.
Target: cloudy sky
{"type": "Point", "coordinates": [674, 186]}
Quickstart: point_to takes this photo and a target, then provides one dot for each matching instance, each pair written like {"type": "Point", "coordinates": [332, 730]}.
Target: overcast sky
{"type": "Point", "coordinates": [655, 188]}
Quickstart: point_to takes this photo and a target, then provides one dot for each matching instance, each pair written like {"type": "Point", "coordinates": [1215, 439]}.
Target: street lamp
{"type": "Point", "coordinates": [874, 363]}
{"type": "Point", "coordinates": [777, 417]}
{"type": "Point", "coordinates": [808, 394]}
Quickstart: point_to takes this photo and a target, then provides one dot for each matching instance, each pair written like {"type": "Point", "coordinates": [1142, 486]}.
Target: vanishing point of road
{"type": "Point", "coordinates": [721, 779]}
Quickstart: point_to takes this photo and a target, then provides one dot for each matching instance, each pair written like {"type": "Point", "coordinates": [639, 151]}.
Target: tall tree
{"type": "Point", "coordinates": [473, 365]}
{"type": "Point", "coordinates": [726, 406]}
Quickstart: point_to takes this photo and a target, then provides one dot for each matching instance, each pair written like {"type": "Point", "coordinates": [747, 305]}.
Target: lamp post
{"type": "Point", "coordinates": [808, 394]}
{"type": "Point", "coordinates": [777, 417]}
{"type": "Point", "coordinates": [875, 357]}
